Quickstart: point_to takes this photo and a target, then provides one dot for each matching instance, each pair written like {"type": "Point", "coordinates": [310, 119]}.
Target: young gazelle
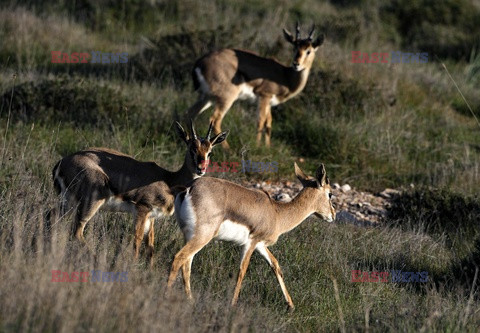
{"type": "Point", "coordinates": [214, 208]}
{"type": "Point", "coordinates": [223, 76]}
{"type": "Point", "coordinates": [103, 178]}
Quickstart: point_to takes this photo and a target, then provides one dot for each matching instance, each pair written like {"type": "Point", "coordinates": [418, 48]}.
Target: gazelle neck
{"type": "Point", "coordinates": [299, 80]}
{"type": "Point", "coordinates": [292, 213]}
{"type": "Point", "coordinates": [183, 175]}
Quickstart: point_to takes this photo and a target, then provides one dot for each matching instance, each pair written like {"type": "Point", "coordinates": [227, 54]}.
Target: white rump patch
{"type": "Point", "coordinates": [204, 87]}
{"type": "Point", "coordinates": [64, 193]}
{"type": "Point", "coordinates": [185, 215]}
{"type": "Point", "coordinates": [274, 101]}
{"type": "Point", "coordinates": [246, 92]}
{"type": "Point", "coordinates": [60, 181]}
{"type": "Point", "coordinates": [233, 232]}
{"type": "Point", "coordinates": [115, 204]}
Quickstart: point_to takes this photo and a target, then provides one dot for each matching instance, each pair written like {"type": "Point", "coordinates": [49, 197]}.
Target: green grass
{"type": "Point", "coordinates": [373, 125]}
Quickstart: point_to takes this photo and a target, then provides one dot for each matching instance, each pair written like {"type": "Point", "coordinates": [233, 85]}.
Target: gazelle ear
{"type": "Point", "coordinates": [318, 41]}
{"type": "Point", "coordinates": [288, 36]}
{"type": "Point", "coordinates": [303, 178]}
{"type": "Point", "coordinates": [299, 173]}
{"type": "Point", "coordinates": [219, 138]}
{"type": "Point", "coordinates": [181, 132]}
{"type": "Point", "coordinates": [321, 175]}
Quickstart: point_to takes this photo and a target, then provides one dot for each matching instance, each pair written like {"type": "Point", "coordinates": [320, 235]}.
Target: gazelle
{"type": "Point", "coordinates": [214, 208]}
{"type": "Point", "coordinates": [103, 178]}
{"type": "Point", "coordinates": [223, 76]}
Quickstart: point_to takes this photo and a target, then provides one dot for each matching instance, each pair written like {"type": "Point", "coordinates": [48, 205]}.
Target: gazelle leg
{"type": "Point", "coordinates": [273, 262]}
{"type": "Point", "coordinates": [141, 220]}
{"type": "Point", "coordinates": [268, 128]}
{"type": "Point", "coordinates": [85, 211]}
{"type": "Point", "coordinates": [247, 254]}
{"type": "Point", "coordinates": [263, 111]}
{"type": "Point", "coordinates": [186, 269]}
{"type": "Point", "coordinates": [221, 109]}
{"type": "Point", "coordinates": [186, 254]}
{"type": "Point", "coordinates": [151, 239]}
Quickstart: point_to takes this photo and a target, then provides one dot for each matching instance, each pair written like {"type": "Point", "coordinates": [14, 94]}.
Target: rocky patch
{"type": "Point", "coordinates": [355, 207]}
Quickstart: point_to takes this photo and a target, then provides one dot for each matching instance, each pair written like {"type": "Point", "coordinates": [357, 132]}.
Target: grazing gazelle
{"type": "Point", "coordinates": [223, 76]}
{"type": "Point", "coordinates": [214, 208]}
{"type": "Point", "coordinates": [103, 178]}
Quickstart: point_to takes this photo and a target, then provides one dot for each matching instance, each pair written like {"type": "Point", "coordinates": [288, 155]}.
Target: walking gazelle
{"type": "Point", "coordinates": [104, 178]}
{"type": "Point", "coordinates": [224, 76]}
{"type": "Point", "coordinates": [214, 208]}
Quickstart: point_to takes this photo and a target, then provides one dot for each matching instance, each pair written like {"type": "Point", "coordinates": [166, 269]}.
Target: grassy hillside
{"type": "Point", "coordinates": [373, 125]}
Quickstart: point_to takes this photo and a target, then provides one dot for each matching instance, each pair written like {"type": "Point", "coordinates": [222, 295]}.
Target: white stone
{"type": "Point", "coordinates": [346, 188]}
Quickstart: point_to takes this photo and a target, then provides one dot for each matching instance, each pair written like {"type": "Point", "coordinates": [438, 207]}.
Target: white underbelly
{"type": "Point", "coordinates": [246, 92]}
{"type": "Point", "coordinates": [117, 205]}
{"type": "Point", "coordinates": [185, 215]}
{"type": "Point", "coordinates": [233, 232]}
{"type": "Point", "coordinates": [114, 204]}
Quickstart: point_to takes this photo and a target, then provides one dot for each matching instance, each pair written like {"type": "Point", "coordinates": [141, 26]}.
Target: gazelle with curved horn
{"type": "Point", "coordinates": [214, 208]}
{"type": "Point", "coordinates": [224, 76]}
{"type": "Point", "coordinates": [97, 178]}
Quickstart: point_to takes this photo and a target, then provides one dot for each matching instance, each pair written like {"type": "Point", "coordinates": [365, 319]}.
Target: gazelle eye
{"type": "Point", "coordinates": [308, 52]}
{"type": "Point", "coordinates": [330, 195]}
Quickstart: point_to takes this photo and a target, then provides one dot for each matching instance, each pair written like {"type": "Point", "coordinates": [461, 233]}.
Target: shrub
{"type": "Point", "coordinates": [440, 212]}
{"type": "Point", "coordinates": [448, 28]}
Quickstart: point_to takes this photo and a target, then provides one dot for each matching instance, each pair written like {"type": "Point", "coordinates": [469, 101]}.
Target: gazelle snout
{"type": "Point", "coordinates": [332, 216]}
{"type": "Point", "coordinates": [297, 62]}
{"type": "Point", "coordinates": [329, 217]}
{"type": "Point", "coordinates": [199, 149]}
{"type": "Point", "coordinates": [202, 166]}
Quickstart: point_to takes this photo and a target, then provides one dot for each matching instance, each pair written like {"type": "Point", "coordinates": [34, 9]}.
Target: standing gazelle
{"type": "Point", "coordinates": [223, 76]}
{"type": "Point", "coordinates": [103, 178]}
{"type": "Point", "coordinates": [214, 208]}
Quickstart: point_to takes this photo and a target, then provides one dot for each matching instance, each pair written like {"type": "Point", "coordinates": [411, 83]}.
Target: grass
{"type": "Point", "coordinates": [373, 125]}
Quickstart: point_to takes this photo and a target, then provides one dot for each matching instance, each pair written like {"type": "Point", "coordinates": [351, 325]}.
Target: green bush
{"type": "Point", "coordinates": [448, 28]}
{"type": "Point", "coordinates": [440, 212]}
{"type": "Point", "coordinates": [84, 103]}
{"type": "Point", "coordinates": [171, 58]}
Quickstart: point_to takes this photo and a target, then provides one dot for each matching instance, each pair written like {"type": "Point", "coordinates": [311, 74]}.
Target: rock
{"type": "Point", "coordinates": [283, 197]}
{"type": "Point", "coordinates": [360, 215]}
{"type": "Point", "coordinates": [352, 206]}
{"type": "Point", "coordinates": [346, 188]}
{"type": "Point", "coordinates": [389, 193]}
{"type": "Point", "coordinates": [345, 217]}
